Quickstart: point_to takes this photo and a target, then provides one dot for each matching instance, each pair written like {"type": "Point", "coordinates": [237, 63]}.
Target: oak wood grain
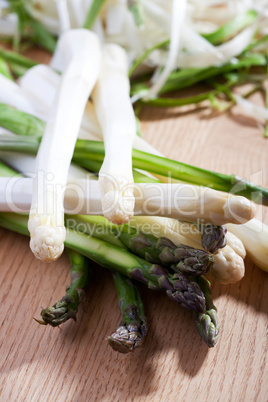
{"type": "Point", "coordinates": [74, 363]}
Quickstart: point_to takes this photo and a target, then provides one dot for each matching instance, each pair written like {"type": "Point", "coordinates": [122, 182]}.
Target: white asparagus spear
{"type": "Point", "coordinates": [178, 16]}
{"type": "Point", "coordinates": [25, 164]}
{"type": "Point", "coordinates": [229, 267]}
{"type": "Point", "coordinates": [11, 94]}
{"type": "Point", "coordinates": [236, 244]}
{"type": "Point", "coordinates": [193, 203]}
{"type": "Point", "coordinates": [167, 201]}
{"type": "Point", "coordinates": [81, 54]}
{"type": "Point", "coordinates": [254, 235]}
{"type": "Point", "coordinates": [117, 120]}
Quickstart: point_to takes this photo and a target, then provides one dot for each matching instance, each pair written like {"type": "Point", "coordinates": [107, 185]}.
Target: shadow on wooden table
{"type": "Point", "coordinates": [150, 114]}
{"type": "Point", "coordinates": [242, 119]}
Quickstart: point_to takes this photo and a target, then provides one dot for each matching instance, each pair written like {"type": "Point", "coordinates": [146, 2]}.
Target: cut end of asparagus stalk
{"type": "Point", "coordinates": [129, 337]}
{"type": "Point", "coordinates": [118, 200]}
{"type": "Point", "coordinates": [47, 239]}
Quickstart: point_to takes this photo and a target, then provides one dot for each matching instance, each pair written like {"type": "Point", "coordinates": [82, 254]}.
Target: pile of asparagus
{"type": "Point", "coordinates": [134, 256]}
{"type": "Point", "coordinates": [148, 219]}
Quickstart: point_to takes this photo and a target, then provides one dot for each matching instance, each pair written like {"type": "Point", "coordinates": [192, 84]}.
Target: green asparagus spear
{"type": "Point", "coordinates": [178, 287]}
{"type": "Point", "coordinates": [189, 76]}
{"type": "Point", "coordinates": [42, 37]}
{"type": "Point", "coordinates": [17, 70]}
{"type": "Point", "coordinates": [84, 150]}
{"type": "Point", "coordinates": [162, 251]}
{"type": "Point", "coordinates": [133, 328]}
{"type": "Point", "coordinates": [38, 33]}
{"type": "Point", "coordinates": [17, 58]}
{"type": "Point", "coordinates": [207, 323]}
{"type": "Point", "coordinates": [93, 12]}
{"type": "Point", "coordinates": [136, 8]}
{"type": "Point", "coordinates": [232, 27]}
{"type": "Point", "coordinates": [67, 307]}
{"type": "Point", "coordinates": [4, 69]}
{"type": "Point", "coordinates": [19, 122]}
{"type": "Point", "coordinates": [6, 171]}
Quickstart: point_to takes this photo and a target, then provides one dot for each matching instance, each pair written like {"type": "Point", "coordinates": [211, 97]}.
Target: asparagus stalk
{"type": "Point", "coordinates": [231, 28]}
{"type": "Point", "coordinates": [46, 219]}
{"type": "Point", "coordinates": [7, 171]}
{"type": "Point", "coordinates": [254, 236]}
{"type": "Point", "coordinates": [207, 323]}
{"type": "Point", "coordinates": [39, 34]}
{"type": "Point", "coordinates": [178, 287]}
{"type": "Point", "coordinates": [17, 58]}
{"type": "Point", "coordinates": [4, 69]}
{"type": "Point", "coordinates": [93, 13]}
{"type": "Point", "coordinates": [176, 27]}
{"type": "Point", "coordinates": [42, 37]}
{"type": "Point", "coordinates": [67, 307]}
{"type": "Point", "coordinates": [19, 122]}
{"type": "Point", "coordinates": [17, 70]}
{"type": "Point", "coordinates": [117, 120]}
{"type": "Point", "coordinates": [133, 328]}
{"type": "Point", "coordinates": [189, 76]}
{"type": "Point", "coordinates": [136, 8]}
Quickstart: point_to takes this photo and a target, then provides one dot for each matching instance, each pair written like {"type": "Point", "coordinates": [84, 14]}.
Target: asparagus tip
{"type": "Point", "coordinates": [208, 327]}
{"type": "Point", "coordinates": [213, 238]}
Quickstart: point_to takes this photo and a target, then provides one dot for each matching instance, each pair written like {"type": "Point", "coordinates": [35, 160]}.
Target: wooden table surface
{"type": "Point", "coordinates": [74, 363]}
